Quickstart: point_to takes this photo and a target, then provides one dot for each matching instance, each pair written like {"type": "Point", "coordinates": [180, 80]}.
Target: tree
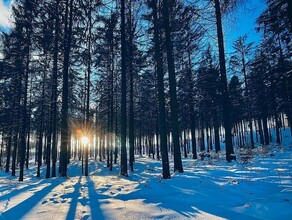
{"type": "Point", "coordinates": [64, 123]}
{"type": "Point", "coordinates": [161, 99]}
{"type": "Point", "coordinates": [239, 60]}
{"type": "Point", "coordinates": [224, 88]}
{"type": "Point", "coordinates": [123, 169]}
{"type": "Point", "coordinates": [172, 86]}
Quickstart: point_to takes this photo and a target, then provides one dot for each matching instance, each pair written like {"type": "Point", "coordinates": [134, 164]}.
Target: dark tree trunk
{"type": "Point", "coordinates": [124, 169]}
{"type": "Point", "coordinates": [88, 87]}
{"type": "Point", "coordinates": [8, 152]}
{"type": "Point", "coordinates": [116, 138]}
{"type": "Point", "coordinates": [157, 141]}
{"type": "Point", "coordinates": [22, 148]}
{"type": "Point", "coordinates": [261, 131]}
{"type": "Point", "coordinates": [161, 98]}
{"type": "Point", "coordinates": [28, 128]}
{"type": "Point", "coordinates": [224, 88]}
{"type": "Point", "coordinates": [15, 146]}
{"type": "Point", "coordinates": [140, 140]}
{"type": "Point", "coordinates": [266, 130]}
{"type": "Point", "coordinates": [54, 91]}
{"type": "Point", "coordinates": [41, 128]}
{"type": "Point", "coordinates": [194, 142]}
{"type": "Point", "coordinates": [131, 104]}
{"type": "Point", "coordinates": [185, 145]}
{"type": "Point", "coordinates": [2, 146]}
{"type": "Point", "coordinates": [64, 119]}
{"type": "Point", "coordinates": [248, 102]}
{"type": "Point", "coordinates": [217, 139]}
{"type": "Point", "coordinates": [172, 88]}
{"type": "Point", "coordinates": [202, 144]}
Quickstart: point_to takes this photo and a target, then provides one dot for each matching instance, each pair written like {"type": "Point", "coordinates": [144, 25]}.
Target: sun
{"type": "Point", "coordinates": [85, 140]}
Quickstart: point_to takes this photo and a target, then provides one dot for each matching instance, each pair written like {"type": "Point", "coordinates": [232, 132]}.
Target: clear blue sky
{"type": "Point", "coordinates": [6, 2]}
{"type": "Point", "coordinates": [243, 22]}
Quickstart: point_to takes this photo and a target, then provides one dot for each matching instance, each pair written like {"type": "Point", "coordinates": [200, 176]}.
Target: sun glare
{"type": "Point", "coordinates": [85, 140]}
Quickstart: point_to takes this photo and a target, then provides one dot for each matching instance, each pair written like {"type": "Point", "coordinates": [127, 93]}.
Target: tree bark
{"type": "Point", "coordinates": [161, 98]}
{"type": "Point", "coordinates": [224, 88]}
{"type": "Point", "coordinates": [64, 119]}
{"type": "Point", "coordinates": [172, 89]}
{"type": "Point", "coordinates": [123, 168]}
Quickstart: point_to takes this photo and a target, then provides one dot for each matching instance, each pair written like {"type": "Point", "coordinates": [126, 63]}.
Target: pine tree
{"type": "Point", "coordinates": [64, 124]}
{"type": "Point", "coordinates": [123, 168]}
{"type": "Point", "coordinates": [172, 86]}
{"type": "Point", "coordinates": [224, 87]}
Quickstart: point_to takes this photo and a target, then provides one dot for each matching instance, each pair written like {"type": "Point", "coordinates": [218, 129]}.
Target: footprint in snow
{"type": "Point", "coordinates": [44, 202]}
{"type": "Point", "coordinates": [233, 181]}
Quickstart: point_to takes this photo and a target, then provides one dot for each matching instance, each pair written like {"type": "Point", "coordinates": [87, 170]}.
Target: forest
{"type": "Point", "coordinates": [138, 78]}
{"type": "Point", "coordinates": [116, 82]}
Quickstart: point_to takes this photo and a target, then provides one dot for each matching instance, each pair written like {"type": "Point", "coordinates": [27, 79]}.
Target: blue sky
{"type": "Point", "coordinates": [6, 2]}
{"type": "Point", "coordinates": [5, 11]}
{"type": "Point", "coordinates": [243, 22]}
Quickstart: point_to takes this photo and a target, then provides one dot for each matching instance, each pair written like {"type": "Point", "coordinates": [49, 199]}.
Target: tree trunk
{"type": "Point", "coordinates": [131, 104]}
{"type": "Point", "coordinates": [88, 87]}
{"type": "Point", "coordinates": [172, 89]}
{"type": "Point", "coordinates": [54, 91]}
{"type": "Point", "coordinates": [8, 152]}
{"type": "Point", "coordinates": [2, 146]}
{"type": "Point", "coordinates": [64, 119]}
{"type": "Point", "coordinates": [161, 98]}
{"type": "Point", "coordinates": [225, 95]}
{"type": "Point", "coordinates": [266, 130]}
{"type": "Point", "coordinates": [123, 169]}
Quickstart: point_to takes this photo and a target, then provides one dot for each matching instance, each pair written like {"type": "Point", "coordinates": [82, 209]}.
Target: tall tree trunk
{"type": "Point", "coordinates": [16, 120]}
{"type": "Point", "coordinates": [248, 102]}
{"type": "Point", "coordinates": [131, 104]}
{"type": "Point", "coordinates": [24, 108]}
{"type": "Point", "coordinates": [111, 122]}
{"type": "Point", "coordinates": [224, 88]}
{"type": "Point", "coordinates": [8, 151]}
{"type": "Point", "coordinates": [2, 146]}
{"type": "Point", "coordinates": [161, 98]}
{"type": "Point", "coordinates": [64, 119]}
{"type": "Point", "coordinates": [88, 86]}
{"type": "Point", "coordinates": [266, 130]}
{"type": "Point", "coordinates": [41, 128]}
{"type": "Point", "coordinates": [202, 144]}
{"type": "Point", "coordinates": [28, 127]}
{"type": "Point", "coordinates": [124, 169]}
{"type": "Point", "coordinates": [185, 144]}
{"type": "Point", "coordinates": [216, 134]}
{"type": "Point", "coordinates": [261, 131]}
{"type": "Point", "coordinates": [172, 89]}
{"type": "Point", "coordinates": [157, 141]}
{"type": "Point", "coordinates": [54, 90]}
{"type": "Point", "coordinates": [194, 142]}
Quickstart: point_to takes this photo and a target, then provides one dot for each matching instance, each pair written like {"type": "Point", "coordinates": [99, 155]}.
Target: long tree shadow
{"type": "Point", "coordinates": [94, 203]}
{"type": "Point", "coordinates": [16, 192]}
{"type": "Point", "coordinates": [20, 210]}
{"type": "Point", "coordinates": [74, 196]}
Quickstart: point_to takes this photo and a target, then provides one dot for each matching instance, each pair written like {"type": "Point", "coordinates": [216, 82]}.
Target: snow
{"type": "Point", "coordinates": [257, 188]}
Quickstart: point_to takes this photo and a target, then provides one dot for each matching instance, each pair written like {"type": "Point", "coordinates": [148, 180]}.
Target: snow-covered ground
{"type": "Point", "coordinates": [258, 186]}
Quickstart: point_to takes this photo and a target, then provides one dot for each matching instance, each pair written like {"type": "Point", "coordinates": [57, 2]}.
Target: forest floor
{"type": "Point", "coordinates": [256, 186]}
